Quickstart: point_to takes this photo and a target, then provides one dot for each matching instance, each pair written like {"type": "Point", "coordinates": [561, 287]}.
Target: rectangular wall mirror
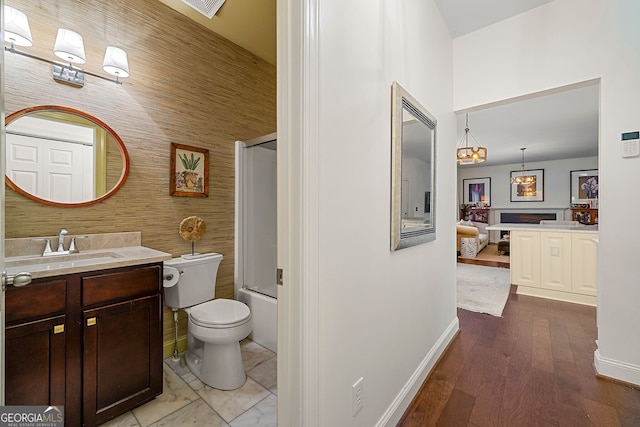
{"type": "Point", "coordinates": [413, 155]}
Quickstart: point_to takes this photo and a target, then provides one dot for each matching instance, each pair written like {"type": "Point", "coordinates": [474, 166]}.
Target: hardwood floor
{"type": "Point", "coordinates": [488, 257]}
{"type": "Point", "coordinates": [531, 367]}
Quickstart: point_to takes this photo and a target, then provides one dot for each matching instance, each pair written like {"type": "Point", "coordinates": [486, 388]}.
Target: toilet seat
{"type": "Point", "coordinates": [220, 313]}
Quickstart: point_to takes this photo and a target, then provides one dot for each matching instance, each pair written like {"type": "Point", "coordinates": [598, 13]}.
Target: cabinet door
{"type": "Point", "coordinates": [555, 261]}
{"type": "Point", "coordinates": [583, 263]}
{"type": "Point", "coordinates": [35, 363]}
{"type": "Point", "coordinates": [122, 357]}
{"type": "Point", "coordinates": [525, 258]}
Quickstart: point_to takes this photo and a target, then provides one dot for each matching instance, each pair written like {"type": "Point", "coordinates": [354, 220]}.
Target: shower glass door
{"type": "Point", "coordinates": [259, 219]}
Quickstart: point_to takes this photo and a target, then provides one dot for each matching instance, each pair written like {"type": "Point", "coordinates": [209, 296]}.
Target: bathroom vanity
{"type": "Point", "coordinates": [87, 336]}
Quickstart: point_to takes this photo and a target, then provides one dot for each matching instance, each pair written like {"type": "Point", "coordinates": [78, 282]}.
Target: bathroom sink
{"type": "Point", "coordinates": [59, 262]}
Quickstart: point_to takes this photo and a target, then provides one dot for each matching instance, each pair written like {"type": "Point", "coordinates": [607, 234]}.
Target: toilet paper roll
{"type": "Point", "coordinates": [170, 276]}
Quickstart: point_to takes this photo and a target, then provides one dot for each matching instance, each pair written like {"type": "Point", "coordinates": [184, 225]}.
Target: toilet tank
{"type": "Point", "coordinates": [197, 282]}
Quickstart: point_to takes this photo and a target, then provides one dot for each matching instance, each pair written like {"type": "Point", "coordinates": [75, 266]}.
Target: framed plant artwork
{"type": "Point", "coordinates": [477, 191]}
{"type": "Point", "coordinates": [189, 171]}
{"type": "Point", "coordinates": [527, 185]}
{"type": "Point", "coordinates": [584, 186]}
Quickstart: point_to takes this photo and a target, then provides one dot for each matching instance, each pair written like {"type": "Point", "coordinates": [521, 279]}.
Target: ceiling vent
{"type": "Point", "coordinates": [206, 7]}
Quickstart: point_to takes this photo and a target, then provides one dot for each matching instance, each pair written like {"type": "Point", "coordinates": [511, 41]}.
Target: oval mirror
{"type": "Point", "coordinates": [63, 157]}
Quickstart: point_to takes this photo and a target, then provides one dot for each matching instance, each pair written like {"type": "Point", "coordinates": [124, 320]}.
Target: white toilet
{"type": "Point", "coordinates": [216, 326]}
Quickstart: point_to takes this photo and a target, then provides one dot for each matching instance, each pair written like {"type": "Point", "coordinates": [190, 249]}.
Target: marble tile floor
{"type": "Point", "coordinates": [185, 400]}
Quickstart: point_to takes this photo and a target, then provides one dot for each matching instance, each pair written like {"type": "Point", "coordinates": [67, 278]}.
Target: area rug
{"type": "Point", "coordinates": [482, 289]}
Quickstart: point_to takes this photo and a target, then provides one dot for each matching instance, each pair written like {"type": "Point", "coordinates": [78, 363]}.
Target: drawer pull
{"type": "Point", "coordinates": [91, 321]}
{"type": "Point", "coordinates": [58, 329]}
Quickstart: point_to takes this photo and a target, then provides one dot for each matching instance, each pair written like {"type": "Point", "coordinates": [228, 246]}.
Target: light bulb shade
{"type": "Point", "coordinates": [115, 62]}
{"type": "Point", "coordinates": [523, 179]}
{"type": "Point", "coordinates": [471, 155]}
{"type": "Point", "coordinates": [69, 46]}
{"type": "Point", "coordinates": [468, 155]}
{"type": "Point", "coordinates": [16, 27]}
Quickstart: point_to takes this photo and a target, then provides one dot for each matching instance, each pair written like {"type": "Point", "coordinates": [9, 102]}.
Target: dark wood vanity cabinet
{"type": "Point", "coordinates": [35, 343]}
{"type": "Point", "coordinates": [35, 362]}
{"type": "Point", "coordinates": [96, 348]}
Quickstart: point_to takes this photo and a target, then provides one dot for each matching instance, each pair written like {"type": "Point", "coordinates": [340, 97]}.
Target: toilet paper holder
{"type": "Point", "coordinates": [169, 277]}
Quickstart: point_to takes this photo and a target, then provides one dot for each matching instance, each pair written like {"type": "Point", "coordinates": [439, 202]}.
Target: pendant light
{"type": "Point", "coordinates": [468, 155]}
{"type": "Point", "coordinates": [522, 178]}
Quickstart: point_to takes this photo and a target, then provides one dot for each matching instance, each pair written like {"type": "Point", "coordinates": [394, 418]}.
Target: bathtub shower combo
{"type": "Point", "coordinates": [256, 235]}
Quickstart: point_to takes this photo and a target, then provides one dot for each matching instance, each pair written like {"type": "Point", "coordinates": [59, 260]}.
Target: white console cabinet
{"type": "Point", "coordinates": [555, 264]}
{"type": "Point", "coordinates": [555, 261]}
{"type": "Point", "coordinates": [524, 256]}
{"type": "Point", "coordinates": [583, 263]}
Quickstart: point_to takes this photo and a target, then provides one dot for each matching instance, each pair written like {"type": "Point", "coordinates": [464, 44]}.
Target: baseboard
{"type": "Point", "coordinates": [557, 295]}
{"type": "Point", "coordinates": [394, 413]}
{"type": "Point", "coordinates": [616, 370]}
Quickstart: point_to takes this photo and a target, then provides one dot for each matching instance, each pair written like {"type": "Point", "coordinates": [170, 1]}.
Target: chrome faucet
{"type": "Point", "coordinates": [63, 232]}
{"type": "Point", "coordinates": [60, 251]}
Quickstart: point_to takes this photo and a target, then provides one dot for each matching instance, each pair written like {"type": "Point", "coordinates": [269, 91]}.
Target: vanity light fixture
{"type": "Point", "coordinates": [468, 155]}
{"type": "Point", "coordinates": [16, 27]}
{"type": "Point", "coordinates": [522, 178]}
{"type": "Point", "coordinates": [69, 46]}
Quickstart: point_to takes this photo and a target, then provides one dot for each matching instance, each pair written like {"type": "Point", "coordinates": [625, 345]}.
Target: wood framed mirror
{"type": "Point", "coordinates": [60, 156]}
{"type": "Point", "coordinates": [413, 159]}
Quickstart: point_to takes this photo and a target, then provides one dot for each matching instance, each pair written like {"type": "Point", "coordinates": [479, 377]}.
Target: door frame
{"type": "Point", "coordinates": [2, 190]}
{"type": "Point", "coordinates": [298, 209]}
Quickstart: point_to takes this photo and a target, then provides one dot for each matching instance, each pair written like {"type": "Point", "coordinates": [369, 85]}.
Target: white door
{"type": "Point", "coordinates": [50, 169]}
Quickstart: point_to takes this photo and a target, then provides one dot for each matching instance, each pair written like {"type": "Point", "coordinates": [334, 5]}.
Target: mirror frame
{"type": "Point", "coordinates": [123, 150]}
{"type": "Point", "coordinates": [401, 99]}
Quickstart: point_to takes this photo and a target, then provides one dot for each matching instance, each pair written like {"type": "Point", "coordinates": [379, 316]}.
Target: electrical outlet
{"type": "Point", "coordinates": [357, 397]}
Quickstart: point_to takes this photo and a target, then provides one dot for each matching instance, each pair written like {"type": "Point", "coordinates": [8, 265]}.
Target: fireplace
{"type": "Point", "coordinates": [525, 217]}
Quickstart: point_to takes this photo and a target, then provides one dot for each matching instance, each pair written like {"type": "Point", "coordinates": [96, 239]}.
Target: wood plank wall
{"type": "Point", "coordinates": [187, 85]}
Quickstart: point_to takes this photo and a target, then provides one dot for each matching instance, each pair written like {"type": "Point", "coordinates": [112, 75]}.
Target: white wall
{"type": "Point", "coordinates": [381, 311]}
{"type": "Point", "coordinates": [381, 315]}
{"type": "Point", "coordinates": [557, 189]}
{"type": "Point", "coordinates": [561, 43]}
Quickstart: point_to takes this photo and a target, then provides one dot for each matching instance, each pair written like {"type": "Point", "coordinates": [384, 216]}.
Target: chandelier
{"type": "Point", "coordinates": [522, 178]}
{"type": "Point", "coordinates": [468, 155]}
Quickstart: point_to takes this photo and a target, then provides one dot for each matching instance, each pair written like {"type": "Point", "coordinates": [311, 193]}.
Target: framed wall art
{"type": "Point", "coordinates": [584, 186]}
{"type": "Point", "coordinates": [477, 191]}
{"type": "Point", "coordinates": [527, 185]}
{"type": "Point", "coordinates": [189, 171]}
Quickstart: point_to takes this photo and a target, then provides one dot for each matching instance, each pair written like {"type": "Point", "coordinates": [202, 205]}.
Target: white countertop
{"type": "Point", "coordinates": [546, 227]}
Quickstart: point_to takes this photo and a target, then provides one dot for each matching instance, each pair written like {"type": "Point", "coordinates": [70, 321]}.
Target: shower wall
{"type": "Point", "coordinates": [259, 221]}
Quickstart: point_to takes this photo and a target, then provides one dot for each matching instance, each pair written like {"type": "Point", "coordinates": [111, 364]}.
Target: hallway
{"type": "Point", "coordinates": [532, 367]}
